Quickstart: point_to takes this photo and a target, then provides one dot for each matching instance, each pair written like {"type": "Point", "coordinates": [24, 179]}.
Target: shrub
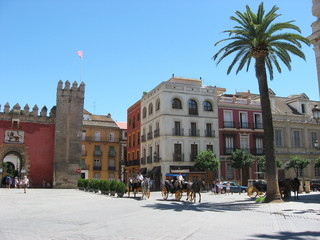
{"type": "Point", "coordinates": [113, 185]}
{"type": "Point", "coordinates": [105, 185]}
{"type": "Point", "coordinates": [121, 187]}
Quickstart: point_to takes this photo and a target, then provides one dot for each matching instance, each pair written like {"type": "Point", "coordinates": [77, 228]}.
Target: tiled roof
{"type": "Point", "coordinates": [122, 125]}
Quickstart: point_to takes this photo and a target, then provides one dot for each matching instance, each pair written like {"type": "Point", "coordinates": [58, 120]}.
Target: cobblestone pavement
{"type": "Point", "coordinates": [73, 214]}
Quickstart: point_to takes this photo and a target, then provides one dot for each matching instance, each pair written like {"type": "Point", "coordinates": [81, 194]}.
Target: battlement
{"type": "Point", "coordinates": [25, 114]}
{"type": "Point", "coordinates": [73, 91]}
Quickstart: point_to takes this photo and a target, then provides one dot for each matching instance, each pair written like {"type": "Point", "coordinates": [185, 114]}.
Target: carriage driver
{"type": "Point", "coordinates": [180, 179]}
{"type": "Point", "coordinates": [139, 177]}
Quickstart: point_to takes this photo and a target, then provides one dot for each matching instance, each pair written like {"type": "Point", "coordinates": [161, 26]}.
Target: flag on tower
{"type": "Point", "coordinates": [80, 53]}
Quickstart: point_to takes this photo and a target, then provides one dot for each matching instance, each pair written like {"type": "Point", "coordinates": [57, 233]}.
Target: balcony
{"type": "Point", "coordinates": [97, 168]}
{"type": "Point", "coordinates": [134, 162]}
{"type": "Point", "coordinates": [194, 132]}
{"type": "Point", "coordinates": [178, 157]}
{"type": "Point", "coordinates": [97, 153]}
{"type": "Point", "coordinates": [177, 132]}
{"type": "Point", "coordinates": [228, 124]}
{"type": "Point", "coordinates": [193, 157]}
{"type": "Point", "coordinates": [257, 151]}
{"type": "Point", "coordinates": [258, 126]}
{"type": "Point", "coordinates": [84, 153]}
{"type": "Point", "coordinates": [156, 158]}
{"type": "Point", "coordinates": [243, 125]}
{"type": "Point", "coordinates": [143, 138]}
{"type": "Point", "coordinates": [150, 135]}
{"type": "Point", "coordinates": [111, 168]}
{"type": "Point", "coordinates": [228, 151]}
{"type": "Point", "coordinates": [156, 133]}
{"type": "Point", "coordinates": [143, 160]}
{"type": "Point", "coordinates": [149, 159]}
{"type": "Point", "coordinates": [209, 133]}
{"type": "Point", "coordinates": [111, 154]}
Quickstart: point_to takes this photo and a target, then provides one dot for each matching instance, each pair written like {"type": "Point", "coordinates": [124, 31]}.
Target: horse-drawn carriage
{"type": "Point", "coordinates": [136, 186]}
{"type": "Point", "coordinates": [259, 188]}
{"type": "Point", "coordinates": [173, 187]}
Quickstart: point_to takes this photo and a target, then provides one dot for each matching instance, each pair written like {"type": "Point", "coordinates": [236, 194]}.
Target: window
{"type": "Point", "coordinates": [96, 163]}
{"type": "Point", "coordinates": [83, 150]}
{"type": "Point", "coordinates": [111, 176]}
{"type": "Point", "coordinates": [177, 156]}
{"type": "Point", "coordinates": [158, 104]}
{"type": "Point", "coordinates": [303, 108]}
{"type": "Point", "coordinates": [194, 152]}
{"type": "Point", "coordinates": [317, 172]}
{"type": "Point", "coordinates": [83, 135]}
{"type": "Point", "coordinates": [227, 119]}
{"type": "Point", "coordinates": [133, 140]}
{"type": "Point", "coordinates": [144, 112]}
{"type": "Point", "coordinates": [243, 120]}
{"type": "Point", "coordinates": [96, 176]}
{"type": "Point", "coordinates": [111, 137]}
{"type": "Point", "coordinates": [296, 139]}
{"type": "Point", "coordinates": [207, 106]}
{"type": "Point", "coordinates": [259, 146]}
{"type": "Point", "coordinates": [257, 121]}
{"type": "Point", "coordinates": [278, 136]}
{"type": "Point", "coordinates": [177, 130]}
{"type": "Point", "coordinates": [111, 165]}
{"type": "Point", "coordinates": [210, 147]}
{"type": "Point", "coordinates": [244, 143]}
{"type": "Point", "coordinates": [150, 108]}
{"type": "Point", "coordinates": [193, 130]}
{"type": "Point", "coordinates": [228, 144]}
{"type": "Point", "coordinates": [176, 103]}
{"type": "Point", "coordinates": [97, 136]}
{"type": "Point", "coordinates": [193, 108]}
{"type": "Point", "coordinates": [314, 138]}
{"type": "Point", "coordinates": [97, 150]}
{"type": "Point", "coordinates": [138, 117]}
{"type": "Point", "coordinates": [209, 132]}
{"type": "Point", "coordinates": [112, 152]}
{"type": "Point", "coordinates": [230, 171]}
{"type": "Point", "coordinates": [133, 123]}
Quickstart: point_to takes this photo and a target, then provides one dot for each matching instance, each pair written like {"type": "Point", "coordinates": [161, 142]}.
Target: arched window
{"type": "Point", "coordinates": [176, 103]}
{"type": "Point", "coordinates": [150, 108]}
{"type": "Point", "coordinates": [207, 106]}
{"type": "Point", "coordinates": [144, 112]}
{"type": "Point", "coordinates": [193, 108]}
{"type": "Point", "coordinates": [158, 104]}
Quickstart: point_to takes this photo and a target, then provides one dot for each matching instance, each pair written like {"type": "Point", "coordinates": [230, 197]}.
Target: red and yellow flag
{"type": "Point", "coordinates": [80, 53]}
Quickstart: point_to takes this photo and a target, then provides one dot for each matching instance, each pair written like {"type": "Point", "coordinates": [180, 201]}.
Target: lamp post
{"type": "Point", "coordinates": [316, 116]}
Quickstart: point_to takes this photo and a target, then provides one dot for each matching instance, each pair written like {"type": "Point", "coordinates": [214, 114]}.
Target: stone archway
{"type": "Point", "coordinates": [13, 163]}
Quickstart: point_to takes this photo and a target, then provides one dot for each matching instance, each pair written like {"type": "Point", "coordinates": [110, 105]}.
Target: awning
{"type": "Point", "coordinates": [155, 170]}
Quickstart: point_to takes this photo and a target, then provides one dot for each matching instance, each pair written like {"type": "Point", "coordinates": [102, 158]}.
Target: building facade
{"type": "Point", "coordinates": [45, 148]}
{"type": "Point", "coordinates": [179, 118]}
{"type": "Point", "coordinates": [240, 127]}
{"type": "Point", "coordinates": [100, 149]}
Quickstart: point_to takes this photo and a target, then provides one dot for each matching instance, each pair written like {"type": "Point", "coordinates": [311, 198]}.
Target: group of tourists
{"type": "Point", "coordinates": [16, 182]}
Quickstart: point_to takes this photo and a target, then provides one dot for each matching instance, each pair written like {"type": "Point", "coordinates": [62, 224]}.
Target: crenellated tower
{"type": "Point", "coordinates": [68, 130]}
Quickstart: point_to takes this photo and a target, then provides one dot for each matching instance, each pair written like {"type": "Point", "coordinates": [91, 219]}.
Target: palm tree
{"type": "Point", "coordinates": [257, 36]}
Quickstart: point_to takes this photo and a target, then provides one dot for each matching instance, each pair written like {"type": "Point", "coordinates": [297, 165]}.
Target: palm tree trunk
{"type": "Point", "coordinates": [273, 193]}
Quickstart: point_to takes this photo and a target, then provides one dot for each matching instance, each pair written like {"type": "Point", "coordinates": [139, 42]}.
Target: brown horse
{"type": "Point", "coordinates": [195, 188]}
{"type": "Point", "coordinates": [287, 185]}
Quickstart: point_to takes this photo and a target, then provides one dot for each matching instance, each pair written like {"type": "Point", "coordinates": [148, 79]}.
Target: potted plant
{"type": "Point", "coordinates": [121, 189]}
{"type": "Point", "coordinates": [113, 185]}
{"type": "Point", "coordinates": [81, 183]}
{"type": "Point", "coordinates": [105, 187]}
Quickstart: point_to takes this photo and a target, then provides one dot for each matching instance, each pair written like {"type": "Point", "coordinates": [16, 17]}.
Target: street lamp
{"type": "Point", "coordinates": [316, 113]}
{"type": "Point", "coordinates": [315, 143]}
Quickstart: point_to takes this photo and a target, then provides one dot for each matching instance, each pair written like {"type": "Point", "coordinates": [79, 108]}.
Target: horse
{"type": "Point", "coordinates": [287, 185]}
{"type": "Point", "coordinates": [133, 186]}
{"type": "Point", "coordinates": [145, 188]}
{"type": "Point", "coordinates": [195, 188]}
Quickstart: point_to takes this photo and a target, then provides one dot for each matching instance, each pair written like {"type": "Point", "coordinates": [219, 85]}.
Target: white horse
{"type": "Point", "coordinates": [145, 188]}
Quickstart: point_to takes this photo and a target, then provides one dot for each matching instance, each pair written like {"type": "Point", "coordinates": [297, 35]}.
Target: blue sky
{"type": "Point", "coordinates": [130, 46]}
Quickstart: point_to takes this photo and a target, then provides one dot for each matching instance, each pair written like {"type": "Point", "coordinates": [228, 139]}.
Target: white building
{"type": "Point", "coordinates": [179, 119]}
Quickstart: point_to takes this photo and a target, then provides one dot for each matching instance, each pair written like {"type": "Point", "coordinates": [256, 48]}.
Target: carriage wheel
{"type": "Point", "coordinates": [165, 193]}
{"type": "Point", "coordinates": [252, 192]}
{"type": "Point", "coordinates": [178, 195]}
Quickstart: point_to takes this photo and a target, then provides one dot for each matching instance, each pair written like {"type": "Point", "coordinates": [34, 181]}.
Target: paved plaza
{"type": "Point", "coordinates": [73, 214]}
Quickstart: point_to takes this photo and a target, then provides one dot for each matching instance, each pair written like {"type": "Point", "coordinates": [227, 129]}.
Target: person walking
{"type": "Point", "coordinates": [25, 183]}
{"type": "Point", "coordinates": [8, 181]}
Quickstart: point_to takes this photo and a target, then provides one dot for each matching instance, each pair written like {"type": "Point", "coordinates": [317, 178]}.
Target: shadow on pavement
{"type": "Point", "coordinates": [201, 207]}
{"type": "Point", "coordinates": [289, 235]}
{"type": "Point", "coordinates": [306, 198]}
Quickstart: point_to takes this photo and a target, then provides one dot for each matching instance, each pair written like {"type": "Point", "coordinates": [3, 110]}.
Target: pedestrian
{"type": "Point", "coordinates": [16, 182]}
{"type": "Point", "coordinates": [25, 183]}
{"type": "Point", "coordinates": [8, 181]}
{"type": "Point", "coordinates": [228, 188]}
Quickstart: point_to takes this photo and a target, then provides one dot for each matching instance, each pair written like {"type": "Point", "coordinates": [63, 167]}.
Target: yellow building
{"type": "Point", "coordinates": [100, 147]}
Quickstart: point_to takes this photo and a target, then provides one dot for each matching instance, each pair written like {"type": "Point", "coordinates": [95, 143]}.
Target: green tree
{"type": "Point", "coordinates": [206, 160]}
{"type": "Point", "coordinates": [262, 163]}
{"type": "Point", "coordinates": [241, 159]}
{"type": "Point", "coordinates": [258, 37]}
{"type": "Point", "coordinates": [297, 163]}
